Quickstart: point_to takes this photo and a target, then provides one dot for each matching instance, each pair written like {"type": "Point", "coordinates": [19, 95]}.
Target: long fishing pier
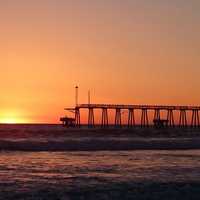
{"type": "Point", "coordinates": [187, 115]}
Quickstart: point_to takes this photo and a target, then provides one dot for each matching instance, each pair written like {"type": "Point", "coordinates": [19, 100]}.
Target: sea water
{"type": "Point", "coordinates": [35, 174]}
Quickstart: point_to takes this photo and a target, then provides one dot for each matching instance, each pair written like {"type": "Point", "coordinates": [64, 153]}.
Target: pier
{"type": "Point", "coordinates": [188, 116]}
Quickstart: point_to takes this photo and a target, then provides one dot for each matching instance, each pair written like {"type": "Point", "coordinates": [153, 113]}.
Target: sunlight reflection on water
{"type": "Point", "coordinates": [29, 169]}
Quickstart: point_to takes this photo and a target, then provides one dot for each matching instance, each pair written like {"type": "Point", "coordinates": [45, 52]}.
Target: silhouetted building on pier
{"type": "Point", "coordinates": [68, 121]}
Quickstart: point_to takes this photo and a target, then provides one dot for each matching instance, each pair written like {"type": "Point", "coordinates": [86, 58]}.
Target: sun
{"type": "Point", "coordinates": [9, 121]}
{"type": "Point", "coordinates": [12, 118]}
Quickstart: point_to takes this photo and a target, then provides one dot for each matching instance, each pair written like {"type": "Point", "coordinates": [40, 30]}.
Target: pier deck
{"type": "Point", "coordinates": [183, 111]}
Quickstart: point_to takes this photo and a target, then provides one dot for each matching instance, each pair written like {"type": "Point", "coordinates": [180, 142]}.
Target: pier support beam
{"type": "Point", "coordinates": [144, 118]}
{"type": "Point", "coordinates": [118, 121]}
{"type": "Point", "coordinates": [91, 118]}
{"type": "Point", "coordinates": [131, 118]}
{"type": "Point", "coordinates": [104, 118]}
{"type": "Point", "coordinates": [170, 118]}
{"type": "Point", "coordinates": [195, 118]}
{"type": "Point", "coordinates": [157, 114]}
{"type": "Point", "coordinates": [77, 117]}
{"type": "Point", "coordinates": [183, 118]}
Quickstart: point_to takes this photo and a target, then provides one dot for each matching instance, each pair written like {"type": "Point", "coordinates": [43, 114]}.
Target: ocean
{"type": "Point", "coordinates": [37, 173]}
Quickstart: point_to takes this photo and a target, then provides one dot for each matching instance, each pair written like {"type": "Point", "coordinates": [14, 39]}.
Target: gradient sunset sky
{"type": "Point", "coordinates": [124, 51]}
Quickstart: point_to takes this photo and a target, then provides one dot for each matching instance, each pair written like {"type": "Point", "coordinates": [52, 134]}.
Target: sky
{"type": "Point", "coordinates": [124, 52]}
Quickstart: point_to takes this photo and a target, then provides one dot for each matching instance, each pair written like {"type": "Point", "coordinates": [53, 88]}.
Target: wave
{"type": "Point", "coordinates": [100, 145]}
{"type": "Point", "coordinates": [58, 138]}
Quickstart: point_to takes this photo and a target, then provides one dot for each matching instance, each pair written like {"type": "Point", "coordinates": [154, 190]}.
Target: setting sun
{"type": "Point", "coordinates": [9, 121]}
{"type": "Point", "coordinates": [12, 117]}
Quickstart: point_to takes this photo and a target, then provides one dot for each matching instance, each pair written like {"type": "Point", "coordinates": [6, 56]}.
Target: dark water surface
{"type": "Point", "coordinates": [29, 173]}
{"type": "Point", "coordinates": [58, 138]}
{"type": "Point", "coordinates": [138, 174]}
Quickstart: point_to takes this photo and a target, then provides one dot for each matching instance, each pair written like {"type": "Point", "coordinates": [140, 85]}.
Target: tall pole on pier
{"type": "Point", "coordinates": [76, 95]}
{"type": "Point", "coordinates": [89, 97]}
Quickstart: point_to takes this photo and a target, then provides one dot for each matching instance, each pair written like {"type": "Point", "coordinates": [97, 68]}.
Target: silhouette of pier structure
{"type": "Point", "coordinates": [187, 115]}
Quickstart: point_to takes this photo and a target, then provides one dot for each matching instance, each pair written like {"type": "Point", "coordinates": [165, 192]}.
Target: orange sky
{"type": "Point", "coordinates": [123, 51]}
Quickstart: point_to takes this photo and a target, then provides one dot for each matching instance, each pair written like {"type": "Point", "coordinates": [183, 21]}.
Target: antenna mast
{"type": "Point", "coordinates": [76, 96]}
{"type": "Point", "coordinates": [89, 97]}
